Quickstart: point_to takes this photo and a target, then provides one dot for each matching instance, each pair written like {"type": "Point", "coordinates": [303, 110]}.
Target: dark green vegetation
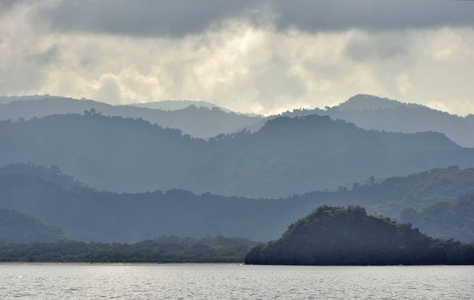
{"type": "Point", "coordinates": [444, 219]}
{"type": "Point", "coordinates": [198, 119]}
{"type": "Point", "coordinates": [90, 215]}
{"type": "Point", "coordinates": [394, 194]}
{"type": "Point", "coordinates": [284, 157]}
{"type": "Point", "coordinates": [339, 236]}
{"type": "Point", "coordinates": [21, 228]}
{"type": "Point", "coordinates": [163, 250]}
{"type": "Point", "coordinates": [370, 112]}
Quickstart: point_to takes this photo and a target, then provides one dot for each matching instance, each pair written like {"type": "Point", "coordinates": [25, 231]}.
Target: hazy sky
{"type": "Point", "coordinates": [247, 55]}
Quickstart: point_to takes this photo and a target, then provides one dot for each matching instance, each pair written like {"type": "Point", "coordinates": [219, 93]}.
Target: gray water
{"type": "Point", "coordinates": [230, 281]}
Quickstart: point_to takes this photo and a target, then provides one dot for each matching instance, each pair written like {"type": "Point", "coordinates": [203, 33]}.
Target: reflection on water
{"type": "Point", "coordinates": [227, 281]}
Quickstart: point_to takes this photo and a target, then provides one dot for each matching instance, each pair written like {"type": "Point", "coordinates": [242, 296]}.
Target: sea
{"type": "Point", "coordinates": [232, 281]}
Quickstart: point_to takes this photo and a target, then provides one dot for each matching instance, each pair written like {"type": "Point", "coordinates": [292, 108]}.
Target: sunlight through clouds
{"type": "Point", "coordinates": [255, 57]}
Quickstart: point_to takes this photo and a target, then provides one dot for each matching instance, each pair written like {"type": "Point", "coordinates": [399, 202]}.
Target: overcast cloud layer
{"type": "Point", "coordinates": [249, 56]}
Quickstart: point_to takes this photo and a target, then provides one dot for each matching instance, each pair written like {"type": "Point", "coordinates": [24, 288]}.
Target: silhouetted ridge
{"type": "Point", "coordinates": [198, 119]}
{"type": "Point", "coordinates": [51, 174]}
{"type": "Point", "coordinates": [371, 112]}
{"type": "Point", "coordinates": [177, 105]}
{"type": "Point", "coordinates": [286, 156]}
{"type": "Point", "coordinates": [369, 102]}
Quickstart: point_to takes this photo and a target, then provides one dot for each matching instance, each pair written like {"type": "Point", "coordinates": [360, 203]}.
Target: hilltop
{"type": "Point", "coordinates": [371, 112]}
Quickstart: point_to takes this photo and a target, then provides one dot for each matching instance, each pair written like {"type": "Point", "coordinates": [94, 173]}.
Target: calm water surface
{"type": "Point", "coordinates": [228, 281]}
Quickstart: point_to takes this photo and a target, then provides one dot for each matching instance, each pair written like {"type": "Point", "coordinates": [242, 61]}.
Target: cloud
{"type": "Point", "coordinates": [169, 18]}
{"type": "Point", "coordinates": [379, 46]}
{"type": "Point", "coordinates": [250, 56]}
{"type": "Point", "coordinates": [25, 56]}
{"type": "Point", "coordinates": [178, 18]}
{"type": "Point", "coordinates": [7, 5]}
{"type": "Point", "coordinates": [328, 15]}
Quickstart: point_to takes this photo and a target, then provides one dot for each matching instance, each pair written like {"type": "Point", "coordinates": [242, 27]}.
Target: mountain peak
{"type": "Point", "coordinates": [368, 102]}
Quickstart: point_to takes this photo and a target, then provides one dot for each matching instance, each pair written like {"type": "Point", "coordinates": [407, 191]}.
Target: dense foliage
{"type": "Point", "coordinates": [161, 250]}
{"type": "Point", "coordinates": [21, 228]}
{"type": "Point", "coordinates": [339, 236]}
{"type": "Point", "coordinates": [393, 194]}
{"type": "Point", "coordinates": [284, 157]}
{"type": "Point", "coordinates": [90, 215]}
{"type": "Point", "coordinates": [444, 219]}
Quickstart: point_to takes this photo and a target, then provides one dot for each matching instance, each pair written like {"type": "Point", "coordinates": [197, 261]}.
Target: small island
{"type": "Point", "coordinates": [349, 236]}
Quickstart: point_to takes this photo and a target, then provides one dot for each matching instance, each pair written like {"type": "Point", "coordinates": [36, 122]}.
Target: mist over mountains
{"type": "Point", "coordinates": [285, 156]}
{"type": "Point", "coordinates": [91, 215]}
{"type": "Point", "coordinates": [203, 119]}
{"type": "Point", "coordinates": [22, 228]}
{"type": "Point", "coordinates": [135, 173]}
{"type": "Point", "coordinates": [197, 118]}
{"type": "Point", "coordinates": [371, 112]}
{"type": "Point", "coordinates": [177, 105]}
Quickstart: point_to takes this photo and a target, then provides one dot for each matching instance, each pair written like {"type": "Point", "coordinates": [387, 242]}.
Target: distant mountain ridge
{"type": "Point", "coordinates": [199, 119]}
{"type": "Point", "coordinates": [368, 102]}
{"type": "Point", "coordinates": [205, 120]}
{"type": "Point", "coordinates": [91, 215]}
{"type": "Point", "coordinates": [177, 104]}
{"type": "Point", "coordinates": [371, 112]}
{"type": "Point", "coordinates": [285, 156]}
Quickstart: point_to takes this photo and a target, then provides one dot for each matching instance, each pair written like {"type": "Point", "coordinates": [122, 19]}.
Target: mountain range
{"type": "Point", "coordinates": [203, 119]}
{"type": "Point", "coordinates": [135, 173]}
{"type": "Point", "coordinates": [197, 118]}
{"type": "Point", "coordinates": [286, 156]}
{"type": "Point", "coordinates": [91, 215]}
{"type": "Point", "coordinates": [178, 104]}
{"type": "Point", "coordinates": [371, 112]}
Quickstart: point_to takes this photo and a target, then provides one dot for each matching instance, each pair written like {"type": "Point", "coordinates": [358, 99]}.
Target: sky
{"type": "Point", "coordinates": [252, 56]}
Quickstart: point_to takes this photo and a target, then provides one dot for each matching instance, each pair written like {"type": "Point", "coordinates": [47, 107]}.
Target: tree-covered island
{"type": "Point", "coordinates": [328, 236]}
{"type": "Point", "coordinates": [349, 236]}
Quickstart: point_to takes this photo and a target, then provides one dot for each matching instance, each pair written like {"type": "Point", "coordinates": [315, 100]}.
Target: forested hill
{"type": "Point", "coordinates": [195, 118]}
{"type": "Point", "coordinates": [52, 174]}
{"type": "Point", "coordinates": [371, 112]}
{"type": "Point", "coordinates": [444, 219]}
{"type": "Point", "coordinates": [394, 194]}
{"type": "Point", "coordinates": [91, 215]}
{"type": "Point", "coordinates": [284, 157]}
{"type": "Point", "coordinates": [339, 236]}
{"type": "Point", "coordinates": [22, 228]}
